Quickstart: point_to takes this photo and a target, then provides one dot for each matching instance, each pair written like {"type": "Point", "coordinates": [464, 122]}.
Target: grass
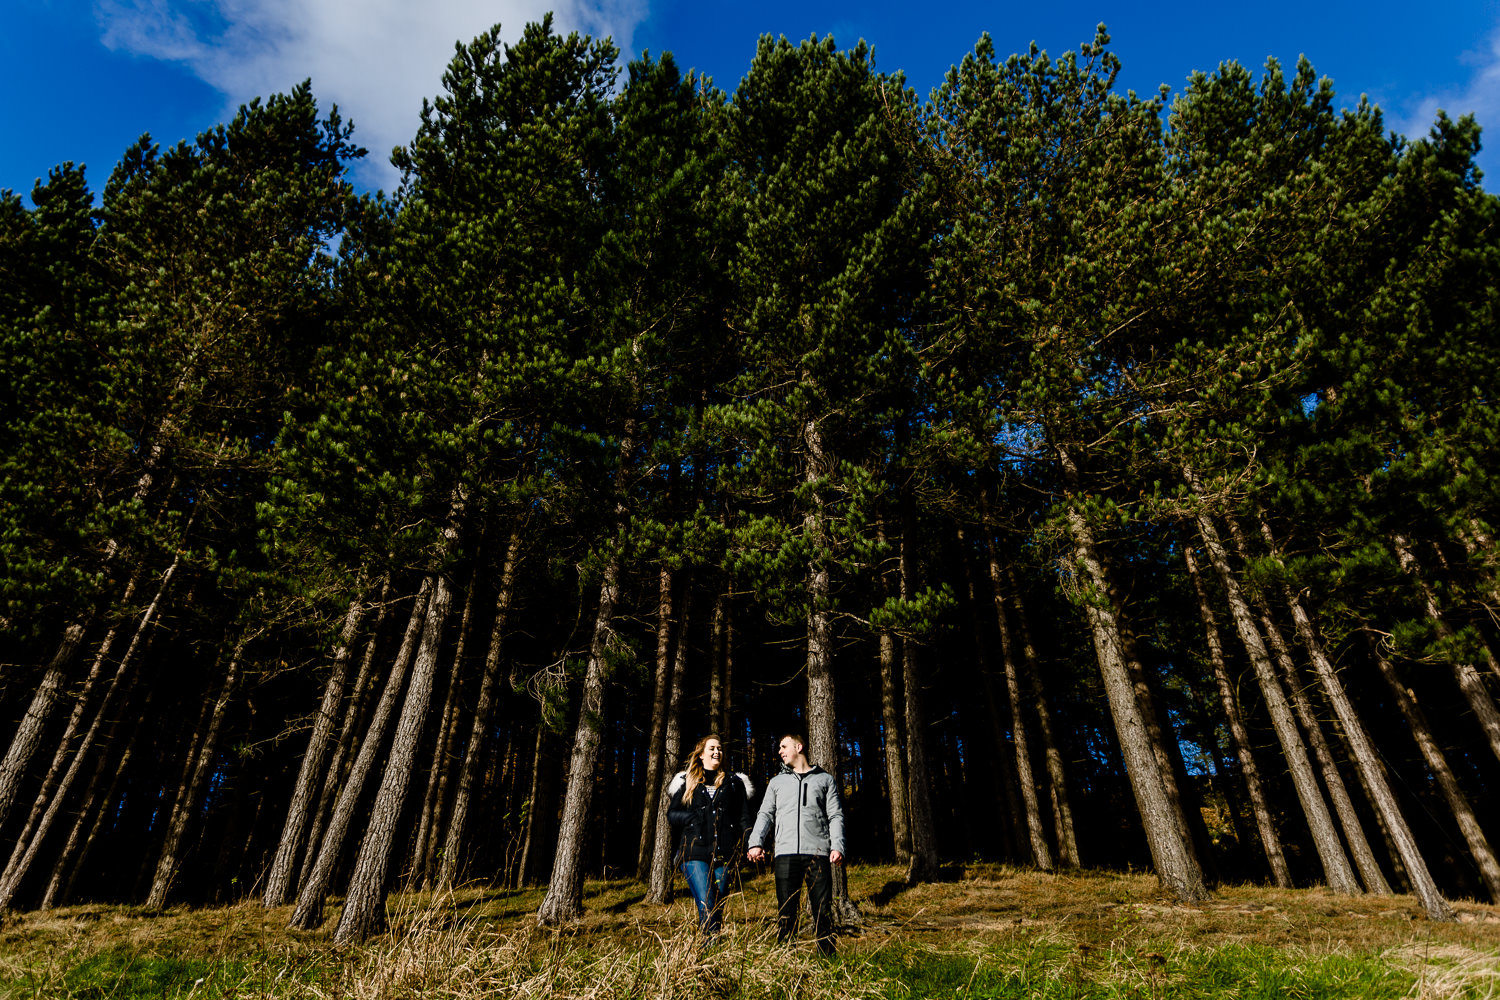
{"type": "Point", "coordinates": [990, 932]}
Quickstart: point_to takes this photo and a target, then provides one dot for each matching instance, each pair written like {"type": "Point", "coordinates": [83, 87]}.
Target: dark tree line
{"type": "Point", "coordinates": [1095, 479]}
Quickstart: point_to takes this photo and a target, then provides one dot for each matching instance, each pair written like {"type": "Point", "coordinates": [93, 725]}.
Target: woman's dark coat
{"type": "Point", "coordinates": [710, 826]}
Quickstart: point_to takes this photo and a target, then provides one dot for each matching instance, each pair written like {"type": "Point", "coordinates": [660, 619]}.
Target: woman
{"type": "Point", "coordinates": [711, 812]}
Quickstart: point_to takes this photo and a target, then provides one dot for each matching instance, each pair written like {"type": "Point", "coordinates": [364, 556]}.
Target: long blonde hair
{"type": "Point", "coordinates": [695, 774]}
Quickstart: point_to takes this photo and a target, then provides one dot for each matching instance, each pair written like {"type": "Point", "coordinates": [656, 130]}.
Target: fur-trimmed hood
{"type": "Point", "coordinates": [680, 782]}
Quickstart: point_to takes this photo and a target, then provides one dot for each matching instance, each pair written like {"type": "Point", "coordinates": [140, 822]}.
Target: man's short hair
{"type": "Point", "coordinates": [795, 738]}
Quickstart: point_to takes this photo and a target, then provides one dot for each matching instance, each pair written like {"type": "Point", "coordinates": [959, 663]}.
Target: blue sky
{"type": "Point", "coordinates": [84, 78]}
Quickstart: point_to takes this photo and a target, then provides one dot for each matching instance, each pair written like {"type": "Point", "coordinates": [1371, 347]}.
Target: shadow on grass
{"type": "Point", "coordinates": [895, 887]}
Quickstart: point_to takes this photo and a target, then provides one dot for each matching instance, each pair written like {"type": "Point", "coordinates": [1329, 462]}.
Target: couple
{"type": "Point", "coordinates": [711, 811]}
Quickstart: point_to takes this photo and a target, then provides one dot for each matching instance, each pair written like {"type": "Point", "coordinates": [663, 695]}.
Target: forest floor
{"type": "Point", "coordinates": [986, 931]}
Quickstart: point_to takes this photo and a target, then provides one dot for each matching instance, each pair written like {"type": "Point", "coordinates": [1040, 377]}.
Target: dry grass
{"type": "Point", "coordinates": [990, 931]}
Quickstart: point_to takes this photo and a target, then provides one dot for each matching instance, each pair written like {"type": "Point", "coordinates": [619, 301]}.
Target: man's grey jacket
{"type": "Point", "coordinates": [806, 812]}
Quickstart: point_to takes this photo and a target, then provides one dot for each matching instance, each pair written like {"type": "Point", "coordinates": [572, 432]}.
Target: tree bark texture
{"type": "Point", "coordinates": [1260, 808]}
{"type": "Point", "coordinates": [364, 902]}
{"type": "Point", "coordinates": [1036, 833]}
{"type": "Point", "coordinates": [1336, 867]}
{"type": "Point", "coordinates": [25, 851]}
{"type": "Point", "coordinates": [924, 854]}
{"type": "Point", "coordinates": [450, 869]}
{"type": "Point", "coordinates": [28, 738]}
{"type": "Point", "coordinates": [1062, 809]}
{"type": "Point", "coordinates": [892, 729]}
{"type": "Point", "coordinates": [308, 913]}
{"type": "Point", "coordinates": [1176, 869]}
{"type": "Point", "coordinates": [1333, 780]}
{"type": "Point", "coordinates": [1437, 763]}
{"type": "Point", "coordinates": [1368, 763]}
{"type": "Point", "coordinates": [76, 850]}
{"type": "Point", "coordinates": [435, 801]}
{"type": "Point", "coordinates": [1464, 674]}
{"type": "Point", "coordinates": [564, 898]}
{"type": "Point", "coordinates": [655, 764]}
{"type": "Point", "coordinates": [279, 884]}
{"type": "Point", "coordinates": [659, 884]}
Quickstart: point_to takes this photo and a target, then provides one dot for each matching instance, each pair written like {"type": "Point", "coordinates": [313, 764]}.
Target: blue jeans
{"type": "Point", "coordinates": [707, 892]}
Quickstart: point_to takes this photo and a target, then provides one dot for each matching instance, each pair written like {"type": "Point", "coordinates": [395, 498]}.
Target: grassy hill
{"type": "Point", "coordinates": [991, 931]}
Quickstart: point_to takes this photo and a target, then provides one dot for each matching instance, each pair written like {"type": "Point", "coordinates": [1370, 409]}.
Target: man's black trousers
{"type": "Point", "coordinates": [791, 871]}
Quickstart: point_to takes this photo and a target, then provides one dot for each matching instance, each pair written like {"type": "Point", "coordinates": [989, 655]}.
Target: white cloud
{"type": "Point", "coordinates": [375, 59]}
{"type": "Point", "coordinates": [1479, 96]}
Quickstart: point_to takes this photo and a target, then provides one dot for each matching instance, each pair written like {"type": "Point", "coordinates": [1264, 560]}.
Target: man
{"type": "Point", "coordinates": [802, 806]}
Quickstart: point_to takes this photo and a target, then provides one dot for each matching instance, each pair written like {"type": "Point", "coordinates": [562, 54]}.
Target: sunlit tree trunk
{"type": "Point", "coordinates": [364, 901]}
{"type": "Point", "coordinates": [1368, 762]}
{"type": "Point", "coordinates": [661, 689]}
{"type": "Point", "coordinates": [450, 866]}
{"type": "Point", "coordinates": [435, 801]}
{"type": "Point", "coordinates": [345, 748]}
{"type": "Point", "coordinates": [1336, 867]}
{"type": "Point", "coordinates": [28, 737]}
{"type": "Point", "coordinates": [308, 913]}
{"type": "Point", "coordinates": [1176, 869]}
{"type": "Point", "coordinates": [564, 898]}
{"type": "Point", "coordinates": [659, 887]}
{"type": "Point", "coordinates": [1458, 802]}
{"type": "Point", "coordinates": [1464, 673]}
{"type": "Point", "coordinates": [1259, 807]}
{"type": "Point", "coordinates": [1062, 809]}
{"type": "Point", "coordinates": [1036, 833]}
{"type": "Point", "coordinates": [279, 885]}
{"type": "Point", "coordinates": [892, 729]}
{"type": "Point", "coordinates": [25, 851]}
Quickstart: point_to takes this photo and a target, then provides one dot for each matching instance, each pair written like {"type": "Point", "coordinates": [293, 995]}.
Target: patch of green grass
{"type": "Point", "coordinates": [1045, 970]}
{"type": "Point", "coordinates": [119, 974]}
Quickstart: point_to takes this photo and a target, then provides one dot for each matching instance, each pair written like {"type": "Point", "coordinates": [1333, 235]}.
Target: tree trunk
{"type": "Point", "coordinates": [314, 760]}
{"type": "Point", "coordinates": [28, 738]}
{"type": "Point", "coordinates": [720, 659]}
{"type": "Point", "coordinates": [924, 853]}
{"type": "Point", "coordinates": [75, 852]}
{"type": "Point", "coordinates": [822, 706]}
{"type": "Point", "coordinates": [541, 809]}
{"type": "Point", "coordinates": [75, 718]}
{"type": "Point", "coordinates": [656, 739]}
{"type": "Point", "coordinates": [1062, 808]}
{"type": "Point", "coordinates": [309, 910]}
{"type": "Point", "coordinates": [895, 754]}
{"type": "Point", "coordinates": [1368, 763]}
{"type": "Point", "coordinates": [1036, 832]}
{"type": "Point", "coordinates": [1259, 807]}
{"type": "Point", "coordinates": [1333, 780]}
{"type": "Point", "coordinates": [659, 886]}
{"type": "Point", "coordinates": [564, 898]}
{"type": "Point", "coordinates": [1336, 867]}
{"type": "Point", "coordinates": [1463, 812]}
{"type": "Point", "coordinates": [344, 748]}
{"type": "Point", "coordinates": [25, 851]}
{"type": "Point", "coordinates": [1467, 677]}
{"type": "Point", "coordinates": [364, 902]}
{"type": "Point", "coordinates": [1176, 869]}
{"type": "Point", "coordinates": [435, 801]}
{"type": "Point", "coordinates": [190, 796]}
{"type": "Point", "coordinates": [489, 688]}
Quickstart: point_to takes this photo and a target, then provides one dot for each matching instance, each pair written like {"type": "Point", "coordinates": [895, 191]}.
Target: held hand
{"type": "Point", "coordinates": [837, 857]}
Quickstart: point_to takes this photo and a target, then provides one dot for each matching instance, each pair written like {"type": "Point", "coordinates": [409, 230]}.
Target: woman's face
{"type": "Point", "coordinates": [712, 755]}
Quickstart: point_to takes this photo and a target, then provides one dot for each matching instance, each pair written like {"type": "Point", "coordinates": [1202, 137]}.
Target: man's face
{"type": "Point", "coordinates": [789, 749]}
